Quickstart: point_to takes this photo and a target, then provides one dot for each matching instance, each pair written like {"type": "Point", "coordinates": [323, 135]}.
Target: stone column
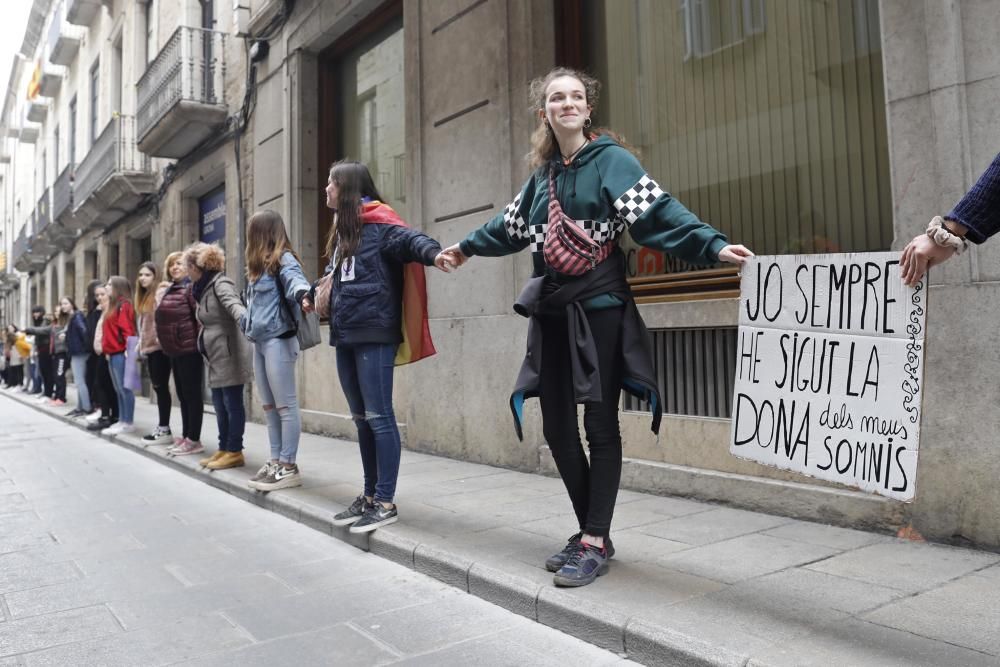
{"type": "Point", "coordinates": [942, 78]}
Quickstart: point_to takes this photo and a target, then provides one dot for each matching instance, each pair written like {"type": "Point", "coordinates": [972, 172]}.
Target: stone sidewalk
{"type": "Point", "coordinates": [692, 583]}
{"type": "Point", "coordinates": [113, 560]}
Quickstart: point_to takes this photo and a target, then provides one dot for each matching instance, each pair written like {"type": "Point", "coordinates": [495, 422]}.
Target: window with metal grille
{"type": "Point", "coordinates": [695, 371]}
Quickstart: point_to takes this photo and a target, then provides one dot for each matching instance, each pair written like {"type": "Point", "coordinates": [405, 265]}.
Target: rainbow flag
{"type": "Point", "coordinates": [417, 343]}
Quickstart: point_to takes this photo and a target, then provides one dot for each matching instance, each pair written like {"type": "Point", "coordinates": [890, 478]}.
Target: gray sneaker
{"type": "Point", "coordinates": [352, 513]}
{"type": "Point", "coordinates": [556, 561]}
{"type": "Point", "coordinates": [261, 475]}
{"type": "Point", "coordinates": [280, 477]}
{"type": "Point", "coordinates": [584, 565]}
{"type": "Point", "coordinates": [374, 517]}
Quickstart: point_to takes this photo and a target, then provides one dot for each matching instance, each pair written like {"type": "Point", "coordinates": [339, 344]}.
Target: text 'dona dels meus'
{"type": "Point", "coordinates": [829, 369]}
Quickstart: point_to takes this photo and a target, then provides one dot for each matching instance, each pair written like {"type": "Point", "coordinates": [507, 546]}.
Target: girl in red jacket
{"type": "Point", "coordinates": [118, 325]}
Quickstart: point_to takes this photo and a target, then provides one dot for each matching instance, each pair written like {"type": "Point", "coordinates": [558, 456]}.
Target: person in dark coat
{"type": "Point", "coordinates": [375, 325]}
{"type": "Point", "coordinates": [41, 329]}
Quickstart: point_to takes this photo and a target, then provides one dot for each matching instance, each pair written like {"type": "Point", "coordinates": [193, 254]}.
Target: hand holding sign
{"type": "Point", "coordinates": [735, 254]}
{"type": "Point", "coordinates": [830, 369]}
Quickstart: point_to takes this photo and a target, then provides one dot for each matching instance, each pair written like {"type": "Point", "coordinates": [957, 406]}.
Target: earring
{"type": "Point", "coordinates": [587, 122]}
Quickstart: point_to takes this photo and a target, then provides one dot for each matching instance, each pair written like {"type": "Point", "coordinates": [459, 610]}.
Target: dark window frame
{"type": "Point", "coordinates": [689, 285]}
{"type": "Point", "coordinates": [94, 98]}
{"type": "Point", "coordinates": [329, 150]}
{"type": "Point", "coordinates": [72, 130]}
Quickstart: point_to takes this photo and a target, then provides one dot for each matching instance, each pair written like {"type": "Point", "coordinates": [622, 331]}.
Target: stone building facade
{"type": "Point", "coordinates": [793, 127]}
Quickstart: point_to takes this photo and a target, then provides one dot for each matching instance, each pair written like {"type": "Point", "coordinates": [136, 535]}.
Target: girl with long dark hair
{"type": "Point", "coordinates": [74, 337]}
{"type": "Point", "coordinates": [377, 265]}
{"type": "Point", "coordinates": [93, 322]}
{"type": "Point", "coordinates": [586, 340]}
{"type": "Point", "coordinates": [103, 386]}
{"type": "Point", "coordinates": [147, 288]}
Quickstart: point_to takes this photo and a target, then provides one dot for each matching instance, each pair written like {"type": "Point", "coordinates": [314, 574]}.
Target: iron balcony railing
{"type": "Point", "coordinates": [62, 193]}
{"type": "Point", "coordinates": [43, 212]}
{"type": "Point", "coordinates": [20, 246]}
{"type": "Point", "coordinates": [191, 67]}
{"type": "Point", "coordinates": [113, 152]}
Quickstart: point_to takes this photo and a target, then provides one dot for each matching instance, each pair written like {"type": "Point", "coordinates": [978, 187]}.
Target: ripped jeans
{"type": "Point", "coordinates": [366, 376]}
{"type": "Point", "coordinates": [274, 371]}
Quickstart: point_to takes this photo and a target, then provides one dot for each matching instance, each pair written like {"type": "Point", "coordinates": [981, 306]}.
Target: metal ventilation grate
{"type": "Point", "coordinates": [695, 370]}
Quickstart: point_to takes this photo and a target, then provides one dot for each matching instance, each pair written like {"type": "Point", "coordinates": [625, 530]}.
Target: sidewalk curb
{"type": "Point", "coordinates": [595, 624]}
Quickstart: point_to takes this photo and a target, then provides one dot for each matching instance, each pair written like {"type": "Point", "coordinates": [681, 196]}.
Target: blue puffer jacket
{"type": "Point", "coordinates": [76, 335]}
{"type": "Point", "coordinates": [266, 317]}
{"type": "Point", "coordinates": [366, 297]}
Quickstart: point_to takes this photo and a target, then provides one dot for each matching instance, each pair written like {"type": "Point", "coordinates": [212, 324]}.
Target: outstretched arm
{"type": "Point", "coordinates": [975, 217]}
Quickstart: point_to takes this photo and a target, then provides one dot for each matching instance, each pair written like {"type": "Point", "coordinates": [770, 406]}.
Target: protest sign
{"type": "Point", "coordinates": [829, 369]}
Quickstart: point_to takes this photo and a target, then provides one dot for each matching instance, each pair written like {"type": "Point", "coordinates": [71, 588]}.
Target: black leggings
{"type": "Point", "coordinates": [15, 376]}
{"type": "Point", "coordinates": [60, 366]}
{"type": "Point", "coordinates": [159, 376]}
{"type": "Point", "coordinates": [106, 390]}
{"type": "Point", "coordinates": [188, 370]}
{"type": "Point", "coordinates": [96, 400]}
{"type": "Point", "coordinates": [46, 369]}
{"type": "Point", "coordinates": [593, 486]}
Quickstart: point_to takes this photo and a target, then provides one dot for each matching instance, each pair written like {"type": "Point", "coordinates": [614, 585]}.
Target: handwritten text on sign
{"type": "Point", "coordinates": [829, 369]}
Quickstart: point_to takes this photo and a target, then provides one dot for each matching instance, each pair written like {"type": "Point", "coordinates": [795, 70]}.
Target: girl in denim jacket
{"type": "Point", "coordinates": [274, 274]}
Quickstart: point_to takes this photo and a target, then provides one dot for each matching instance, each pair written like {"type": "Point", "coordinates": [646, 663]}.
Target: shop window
{"type": "Point", "coordinates": [712, 25]}
{"type": "Point", "coordinates": [362, 107]}
{"type": "Point", "coordinates": [767, 119]}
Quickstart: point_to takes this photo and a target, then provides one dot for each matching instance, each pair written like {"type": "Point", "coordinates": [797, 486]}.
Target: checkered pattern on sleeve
{"type": "Point", "coordinates": [517, 227]}
{"type": "Point", "coordinates": [537, 236]}
{"type": "Point", "coordinates": [637, 199]}
{"type": "Point", "coordinates": [601, 231]}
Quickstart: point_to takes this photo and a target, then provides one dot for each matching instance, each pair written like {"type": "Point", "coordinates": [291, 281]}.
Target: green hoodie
{"type": "Point", "coordinates": [607, 191]}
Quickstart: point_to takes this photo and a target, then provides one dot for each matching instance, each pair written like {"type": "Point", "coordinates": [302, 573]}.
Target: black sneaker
{"type": "Point", "coordinates": [101, 424]}
{"type": "Point", "coordinates": [352, 513]}
{"type": "Point", "coordinates": [556, 561]}
{"type": "Point", "coordinates": [583, 566]}
{"type": "Point", "coordinates": [374, 517]}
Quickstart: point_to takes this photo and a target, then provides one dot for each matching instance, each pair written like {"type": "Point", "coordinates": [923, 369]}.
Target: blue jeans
{"type": "Point", "coordinates": [35, 375]}
{"type": "Point", "coordinates": [274, 371]}
{"type": "Point", "coordinates": [126, 399]}
{"type": "Point", "coordinates": [366, 377]}
{"type": "Point", "coordinates": [230, 416]}
{"type": "Point", "coordinates": [79, 364]}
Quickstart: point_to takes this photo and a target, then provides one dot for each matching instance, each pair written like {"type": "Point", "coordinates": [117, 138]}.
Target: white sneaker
{"type": "Point", "coordinates": [42, 399]}
{"type": "Point", "coordinates": [126, 428]}
{"type": "Point", "coordinates": [93, 416]}
{"type": "Point", "coordinates": [114, 429]}
{"type": "Point", "coordinates": [160, 435]}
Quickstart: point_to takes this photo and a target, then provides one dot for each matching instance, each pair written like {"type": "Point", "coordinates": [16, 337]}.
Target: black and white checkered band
{"type": "Point", "coordinates": [601, 231]}
{"type": "Point", "coordinates": [637, 199]}
{"type": "Point", "coordinates": [517, 227]}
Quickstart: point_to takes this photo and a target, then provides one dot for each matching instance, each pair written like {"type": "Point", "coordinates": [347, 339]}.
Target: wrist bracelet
{"type": "Point", "coordinates": [943, 236]}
